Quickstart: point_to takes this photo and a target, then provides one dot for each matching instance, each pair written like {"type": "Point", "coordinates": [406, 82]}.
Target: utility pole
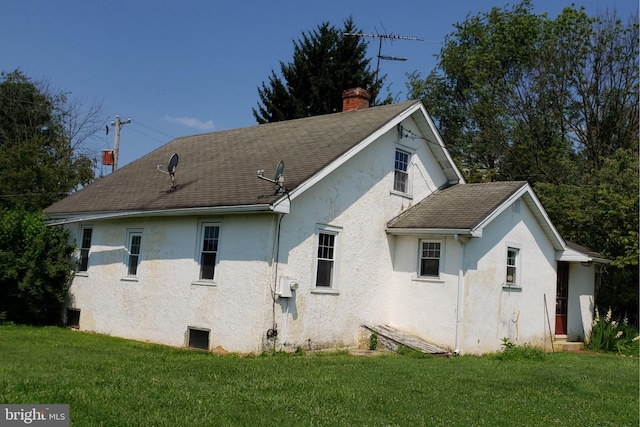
{"type": "Point", "coordinates": [116, 139]}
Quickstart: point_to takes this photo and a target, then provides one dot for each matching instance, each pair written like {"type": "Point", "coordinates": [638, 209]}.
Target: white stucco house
{"type": "Point", "coordinates": [373, 225]}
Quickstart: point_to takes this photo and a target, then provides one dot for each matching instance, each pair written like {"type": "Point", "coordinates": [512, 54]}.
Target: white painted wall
{"type": "Point", "coordinates": [238, 310]}
{"type": "Point", "coordinates": [490, 311]}
{"type": "Point", "coordinates": [580, 304]}
{"type": "Point", "coordinates": [493, 312]}
{"type": "Point", "coordinates": [357, 198]}
{"type": "Point", "coordinates": [426, 307]}
{"type": "Point", "coordinates": [163, 301]}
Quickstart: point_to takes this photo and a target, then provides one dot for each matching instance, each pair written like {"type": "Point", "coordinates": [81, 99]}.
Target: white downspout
{"type": "Point", "coordinates": [460, 295]}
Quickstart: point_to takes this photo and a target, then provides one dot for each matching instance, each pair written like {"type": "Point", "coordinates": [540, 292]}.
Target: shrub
{"type": "Point", "coordinates": [612, 335]}
{"type": "Point", "coordinates": [373, 341]}
{"type": "Point", "coordinates": [35, 269]}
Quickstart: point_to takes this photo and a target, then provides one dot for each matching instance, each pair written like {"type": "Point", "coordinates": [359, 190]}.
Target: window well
{"type": "Point", "coordinates": [199, 338]}
{"type": "Point", "coordinates": [73, 318]}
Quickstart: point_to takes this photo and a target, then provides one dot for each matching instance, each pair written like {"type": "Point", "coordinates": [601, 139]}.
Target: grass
{"type": "Point", "coordinates": [114, 382]}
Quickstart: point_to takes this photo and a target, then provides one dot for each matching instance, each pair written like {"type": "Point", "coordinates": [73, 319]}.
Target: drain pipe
{"type": "Point", "coordinates": [275, 261]}
{"type": "Point", "coordinates": [460, 302]}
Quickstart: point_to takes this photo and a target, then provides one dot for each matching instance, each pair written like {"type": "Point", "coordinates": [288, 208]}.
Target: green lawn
{"type": "Point", "coordinates": [114, 382]}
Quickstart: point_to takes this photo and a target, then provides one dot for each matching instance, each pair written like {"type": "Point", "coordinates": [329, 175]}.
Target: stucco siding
{"type": "Point", "coordinates": [357, 200]}
{"type": "Point", "coordinates": [164, 299]}
{"type": "Point", "coordinates": [580, 304]}
{"type": "Point", "coordinates": [493, 310]}
{"type": "Point", "coordinates": [426, 307]}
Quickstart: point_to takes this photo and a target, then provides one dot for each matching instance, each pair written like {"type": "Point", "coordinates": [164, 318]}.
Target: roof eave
{"type": "Point", "coordinates": [536, 208]}
{"type": "Point", "coordinates": [570, 255]}
{"type": "Point", "coordinates": [69, 218]}
{"type": "Point", "coordinates": [444, 158]}
{"type": "Point", "coordinates": [433, 231]}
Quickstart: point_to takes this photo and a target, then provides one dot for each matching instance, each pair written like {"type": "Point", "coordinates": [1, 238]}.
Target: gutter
{"type": "Point", "coordinates": [61, 219]}
{"type": "Point", "coordinates": [435, 231]}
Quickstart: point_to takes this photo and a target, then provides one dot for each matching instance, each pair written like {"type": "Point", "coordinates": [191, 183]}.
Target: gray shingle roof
{"type": "Point", "coordinates": [459, 207]}
{"type": "Point", "coordinates": [219, 169]}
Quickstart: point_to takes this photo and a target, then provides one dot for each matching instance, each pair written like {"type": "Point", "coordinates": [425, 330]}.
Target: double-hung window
{"type": "Point", "coordinates": [85, 245]}
{"type": "Point", "coordinates": [210, 234]}
{"type": "Point", "coordinates": [401, 172]}
{"type": "Point", "coordinates": [134, 247]}
{"type": "Point", "coordinates": [326, 257]}
{"type": "Point", "coordinates": [430, 258]}
{"type": "Point", "coordinates": [512, 266]}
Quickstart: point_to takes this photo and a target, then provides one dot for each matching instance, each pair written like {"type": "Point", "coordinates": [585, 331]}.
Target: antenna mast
{"type": "Point", "coordinates": [380, 56]}
{"type": "Point", "coordinates": [116, 140]}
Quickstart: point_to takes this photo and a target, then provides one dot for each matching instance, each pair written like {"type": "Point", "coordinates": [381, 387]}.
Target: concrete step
{"type": "Point", "coordinates": [568, 346]}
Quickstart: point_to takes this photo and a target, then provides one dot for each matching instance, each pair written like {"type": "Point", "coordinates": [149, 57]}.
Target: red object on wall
{"type": "Point", "coordinates": [107, 157]}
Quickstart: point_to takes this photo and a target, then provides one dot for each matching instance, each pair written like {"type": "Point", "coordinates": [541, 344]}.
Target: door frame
{"type": "Point", "coordinates": [562, 297]}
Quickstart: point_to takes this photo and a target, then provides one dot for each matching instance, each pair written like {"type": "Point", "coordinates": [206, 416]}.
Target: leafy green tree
{"type": "Point", "coordinates": [325, 63]}
{"type": "Point", "coordinates": [35, 268]}
{"type": "Point", "coordinates": [520, 96]}
{"type": "Point", "coordinates": [41, 139]}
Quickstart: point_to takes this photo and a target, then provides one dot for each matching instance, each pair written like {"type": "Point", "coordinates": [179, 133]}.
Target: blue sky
{"type": "Point", "coordinates": [182, 68]}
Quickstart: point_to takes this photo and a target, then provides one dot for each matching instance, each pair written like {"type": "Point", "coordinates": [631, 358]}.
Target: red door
{"type": "Point", "coordinates": [562, 294]}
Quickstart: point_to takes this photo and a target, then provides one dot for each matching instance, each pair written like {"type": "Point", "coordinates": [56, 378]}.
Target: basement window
{"type": "Point", "coordinates": [73, 318]}
{"type": "Point", "coordinates": [198, 338]}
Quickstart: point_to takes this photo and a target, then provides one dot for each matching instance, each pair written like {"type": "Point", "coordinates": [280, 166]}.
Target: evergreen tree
{"type": "Point", "coordinates": [325, 63]}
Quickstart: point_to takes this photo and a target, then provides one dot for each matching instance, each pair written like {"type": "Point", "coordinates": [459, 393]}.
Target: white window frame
{"type": "Point", "coordinates": [427, 277]}
{"type": "Point", "coordinates": [335, 270]}
{"type": "Point", "coordinates": [131, 233]}
{"type": "Point", "coordinates": [516, 281]}
{"type": "Point", "coordinates": [408, 183]}
{"type": "Point", "coordinates": [82, 249]}
{"type": "Point", "coordinates": [202, 226]}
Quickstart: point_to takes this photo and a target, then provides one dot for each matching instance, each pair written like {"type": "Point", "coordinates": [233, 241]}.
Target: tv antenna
{"type": "Point", "coordinates": [171, 171]}
{"type": "Point", "coordinates": [381, 37]}
{"type": "Point", "coordinates": [278, 178]}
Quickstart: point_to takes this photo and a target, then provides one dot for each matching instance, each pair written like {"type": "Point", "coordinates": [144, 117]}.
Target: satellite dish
{"type": "Point", "coordinates": [278, 178]}
{"type": "Point", "coordinates": [279, 171]}
{"type": "Point", "coordinates": [173, 163]}
{"type": "Point", "coordinates": [171, 170]}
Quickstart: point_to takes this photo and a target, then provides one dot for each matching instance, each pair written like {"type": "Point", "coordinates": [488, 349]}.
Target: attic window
{"type": "Point", "coordinates": [401, 172]}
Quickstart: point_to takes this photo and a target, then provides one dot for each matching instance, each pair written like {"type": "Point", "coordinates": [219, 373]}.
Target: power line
{"type": "Point", "coordinates": [148, 136]}
{"type": "Point", "coordinates": [153, 129]}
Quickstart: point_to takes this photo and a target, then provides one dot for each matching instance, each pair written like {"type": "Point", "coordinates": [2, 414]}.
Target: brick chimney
{"type": "Point", "coordinates": [355, 99]}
